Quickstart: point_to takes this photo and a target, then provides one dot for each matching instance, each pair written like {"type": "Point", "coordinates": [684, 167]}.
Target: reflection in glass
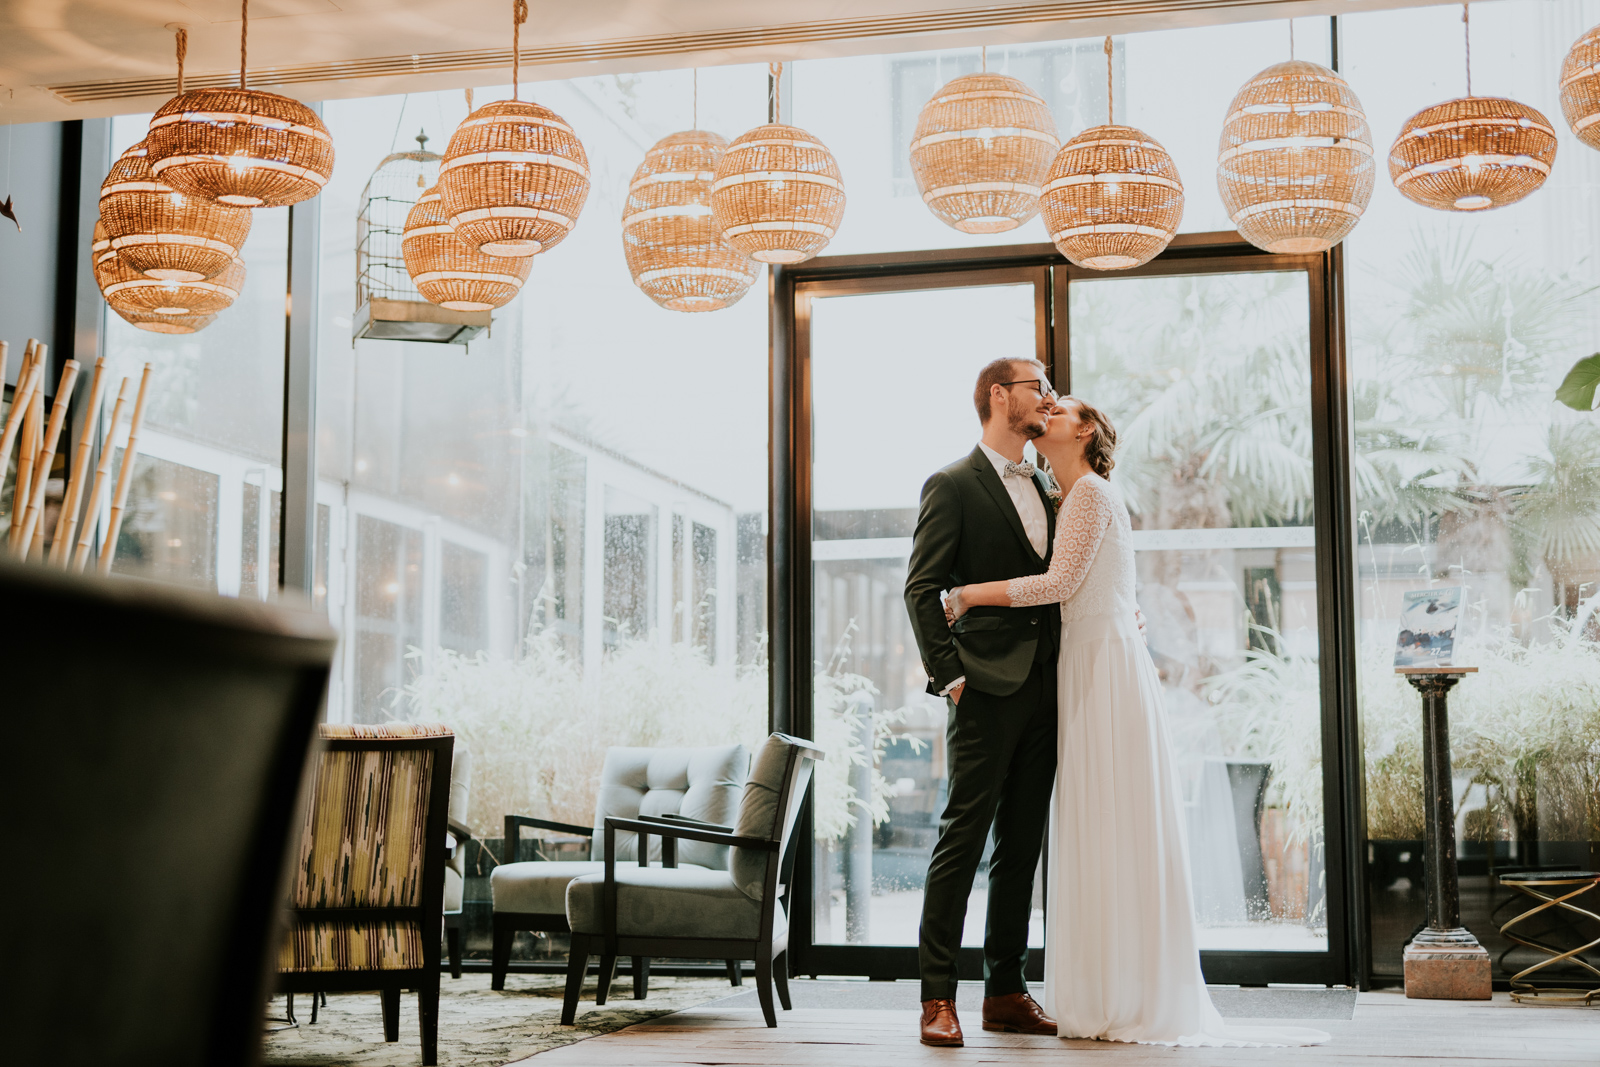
{"type": "Point", "coordinates": [1207, 379]}
{"type": "Point", "coordinates": [169, 527]}
{"type": "Point", "coordinates": [881, 426]}
{"type": "Point", "coordinates": [389, 596]}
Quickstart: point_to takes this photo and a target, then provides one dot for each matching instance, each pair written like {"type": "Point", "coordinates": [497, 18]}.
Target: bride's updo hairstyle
{"type": "Point", "coordinates": [1102, 443]}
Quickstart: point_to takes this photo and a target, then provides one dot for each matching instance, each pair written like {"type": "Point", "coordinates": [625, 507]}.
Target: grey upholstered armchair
{"type": "Point", "coordinates": [699, 912]}
{"type": "Point", "coordinates": [697, 783]}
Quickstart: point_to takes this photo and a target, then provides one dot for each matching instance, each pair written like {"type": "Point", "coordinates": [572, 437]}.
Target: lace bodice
{"type": "Point", "coordinates": [1091, 571]}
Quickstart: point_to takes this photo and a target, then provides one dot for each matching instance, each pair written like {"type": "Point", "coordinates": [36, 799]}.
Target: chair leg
{"type": "Point", "coordinates": [764, 984]}
{"type": "Point", "coordinates": [735, 973]}
{"type": "Point", "coordinates": [317, 1000]}
{"type": "Point", "coordinates": [501, 960]}
{"type": "Point", "coordinates": [641, 977]}
{"type": "Point", "coordinates": [577, 966]}
{"type": "Point", "coordinates": [608, 971]}
{"type": "Point", "coordinates": [391, 1014]}
{"type": "Point", "coordinates": [428, 1018]}
{"type": "Point", "coordinates": [288, 1009]}
{"type": "Point", "coordinates": [452, 936]}
{"type": "Point", "coordinates": [780, 978]}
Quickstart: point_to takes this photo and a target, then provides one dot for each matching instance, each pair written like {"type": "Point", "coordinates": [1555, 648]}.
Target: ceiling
{"type": "Point", "coordinates": [74, 59]}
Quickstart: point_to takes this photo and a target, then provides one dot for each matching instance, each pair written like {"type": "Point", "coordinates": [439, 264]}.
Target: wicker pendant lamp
{"type": "Point", "coordinates": [1295, 166]}
{"type": "Point", "coordinates": [448, 273]}
{"type": "Point", "coordinates": [778, 196]}
{"type": "Point", "coordinates": [1473, 153]}
{"type": "Point", "coordinates": [1580, 88]}
{"type": "Point", "coordinates": [125, 289]}
{"type": "Point", "coordinates": [1113, 199]}
{"type": "Point", "coordinates": [982, 148]}
{"type": "Point", "coordinates": [515, 176]}
{"type": "Point", "coordinates": [104, 259]}
{"type": "Point", "coordinates": [241, 147]}
{"type": "Point", "coordinates": [163, 233]}
{"type": "Point", "coordinates": [168, 324]}
{"type": "Point", "coordinates": [674, 250]}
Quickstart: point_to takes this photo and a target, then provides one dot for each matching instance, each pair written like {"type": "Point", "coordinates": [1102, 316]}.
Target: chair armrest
{"type": "Point", "coordinates": [461, 832]}
{"type": "Point", "coordinates": [514, 825]}
{"type": "Point", "coordinates": [687, 833]}
{"type": "Point", "coordinates": [684, 820]}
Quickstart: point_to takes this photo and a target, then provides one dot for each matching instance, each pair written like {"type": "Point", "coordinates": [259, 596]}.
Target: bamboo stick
{"type": "Point", "coordinates": [67, 524]}
{"type": "Point", "coordinates": [125, 476]}
{"type": "Point", "coordinates": [28, 450]}
{"type": "Point", "coordinates": [32, 524]}
{"type": "Point", "coordinates": [102, 476]}
{"type": "Point", "coordinates": [21, 401]}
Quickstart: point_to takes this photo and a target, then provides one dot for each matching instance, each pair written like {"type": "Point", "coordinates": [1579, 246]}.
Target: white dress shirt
{"type": "Point", "coordinates": [1025, 495]}
{"type": "Point", "coordinates": [1030, 509]}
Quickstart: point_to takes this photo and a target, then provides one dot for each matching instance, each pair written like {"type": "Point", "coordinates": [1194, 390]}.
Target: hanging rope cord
{"type": "Point", "coordinates": [183, 51]}
{"type": "Point", "coordinates": [776, 70]}
{"type": "Point", "coordinates": [1291, 38]}
{"type": "Point", "coordinates": [519, 15]}
{"type": "Point", "coordinates": [1466, 34]}
{"type": "Point", "coordinates": [1111, 115]}
{"type": "Point", "coordinates": [244, 41]}
{"type": "Point", "coordinates": [695, 114]}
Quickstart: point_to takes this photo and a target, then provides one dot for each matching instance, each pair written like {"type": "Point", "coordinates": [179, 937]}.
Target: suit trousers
{"type": "Point", "coordinates": [1001, 755]}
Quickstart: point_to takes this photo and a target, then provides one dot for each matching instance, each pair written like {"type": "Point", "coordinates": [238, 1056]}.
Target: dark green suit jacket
{"type": "Point", "coordinates": [968, 530]}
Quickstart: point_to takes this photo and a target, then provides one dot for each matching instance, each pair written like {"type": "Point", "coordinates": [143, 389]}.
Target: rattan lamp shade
{"type": "Point", "coordinates": [169, 324]}
{"type": "Point", "coordinates": [1113, 198]}
{"type": "Point", "coordinates": [1295, 166]}
{"type": "Point", "coordinates": [241, 147]}
{"type": "Point", "coordinates": [1580, 88]}
{"type": "Point", "coordinates": [514, 178]}
{"type": "Point", "coordinates": [674, 250]}
{"type": "Point", "coordinates": [125, 289]}
{"type": "Point", "coordinates": [982, 148]}
{"type": "Point", "coordinates": [163, 233]}
{"type": "Point", "coordinates": [448, 273]}
{"type": "Point", "coordinates": [778, 196]}
{"type": "Point", "coordinates": [1474, 153]}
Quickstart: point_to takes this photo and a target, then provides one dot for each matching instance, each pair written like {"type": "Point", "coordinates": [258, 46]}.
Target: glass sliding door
{"type": "Point", "coordinates": [1215, 368]}
{"type": "Point", "coordinates": [1208, 380]}
{"type": "Point", "coordinates": [891, 372]}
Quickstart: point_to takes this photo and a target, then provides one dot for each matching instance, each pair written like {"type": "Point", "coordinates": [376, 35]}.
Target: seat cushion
{"type": "Point", "coordinates": [700, 783]}
{"type": "Point", "coordinates": [539, 887]}
{"type": "Point", "coordinates": [668, 902]}
{"type": "Point", "coordinates": [452, 890]}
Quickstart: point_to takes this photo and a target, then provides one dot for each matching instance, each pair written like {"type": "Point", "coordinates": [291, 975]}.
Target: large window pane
{"type": "Point", "coordinates": [575, 488]}
{"type": "Point", "coordinates": [877, 818]}
{"type": "Point", "coordinates": [1208, 380]}
{"type": "Point", "coordinates": [1467, 472]}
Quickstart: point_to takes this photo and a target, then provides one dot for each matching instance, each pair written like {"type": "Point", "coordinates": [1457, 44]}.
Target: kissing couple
{"type": "Point", "coordinates": [1028, 627]}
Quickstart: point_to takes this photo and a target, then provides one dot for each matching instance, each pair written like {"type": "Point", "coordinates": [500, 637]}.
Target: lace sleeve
{"type": "Point", "coordinates": [1085, 516]}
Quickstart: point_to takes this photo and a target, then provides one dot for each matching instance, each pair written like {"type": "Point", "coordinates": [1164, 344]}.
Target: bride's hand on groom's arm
{"type": "Point", "coordinates": [954, 606]}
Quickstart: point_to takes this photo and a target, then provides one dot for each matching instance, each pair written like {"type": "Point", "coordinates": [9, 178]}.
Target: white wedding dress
{"type": "Point", "coordinates": [1121, 962]}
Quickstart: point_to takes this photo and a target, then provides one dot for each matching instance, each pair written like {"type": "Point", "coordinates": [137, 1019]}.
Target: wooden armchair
{"type": "Point", "coordinates": [695, 912]}
{"type": "Point", "coordinates": [367, 889]}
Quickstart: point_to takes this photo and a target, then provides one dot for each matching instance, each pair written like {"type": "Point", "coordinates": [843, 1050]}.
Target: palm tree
{"type": "Point", "coordinates": [1557, 519]}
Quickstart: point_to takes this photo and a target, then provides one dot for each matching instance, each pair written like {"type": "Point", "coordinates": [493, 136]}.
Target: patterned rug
{"type": "Point", "coordinates": [476, 1024]}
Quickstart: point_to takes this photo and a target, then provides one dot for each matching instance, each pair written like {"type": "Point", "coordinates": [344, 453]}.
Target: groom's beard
{"type": "Point", "coordinates": [1029, 424]}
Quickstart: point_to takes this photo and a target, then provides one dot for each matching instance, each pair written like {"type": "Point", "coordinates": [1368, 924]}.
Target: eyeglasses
{"type": "Point", "coordinates": [1040, 386]}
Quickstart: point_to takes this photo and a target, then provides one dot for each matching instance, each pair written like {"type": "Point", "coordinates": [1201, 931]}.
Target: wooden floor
{"type": "Point", "coordinates": [1387, 1028]}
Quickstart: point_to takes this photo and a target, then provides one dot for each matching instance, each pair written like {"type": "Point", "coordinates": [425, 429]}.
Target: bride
{"type": "Point", "coordinates": [1121, 961]}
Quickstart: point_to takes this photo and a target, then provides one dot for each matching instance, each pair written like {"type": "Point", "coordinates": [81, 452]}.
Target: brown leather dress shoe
{"type": "Point", "coordinates": [940, 1027]}
{"type": "Point", "coordinates": [1016, 1013]}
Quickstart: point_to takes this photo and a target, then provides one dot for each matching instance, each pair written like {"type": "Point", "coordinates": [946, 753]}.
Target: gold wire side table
{"type": "Point", "coordinates": [1553, 890]}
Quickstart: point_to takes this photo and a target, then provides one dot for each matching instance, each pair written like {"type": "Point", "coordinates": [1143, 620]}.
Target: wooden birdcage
{"type": "Point", "coordinates": [388, 305]}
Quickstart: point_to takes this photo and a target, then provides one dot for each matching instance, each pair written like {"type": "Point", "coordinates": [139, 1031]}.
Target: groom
{"type": "Point", "coordinates": [984, 518]}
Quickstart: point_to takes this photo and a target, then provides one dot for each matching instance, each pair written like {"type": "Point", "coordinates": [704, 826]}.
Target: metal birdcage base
{"type": "Point", "coordinates": [417, 320]}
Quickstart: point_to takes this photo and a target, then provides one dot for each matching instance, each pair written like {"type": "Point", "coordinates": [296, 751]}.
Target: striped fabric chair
{"type": "Point", "coordinates": [367, 890]}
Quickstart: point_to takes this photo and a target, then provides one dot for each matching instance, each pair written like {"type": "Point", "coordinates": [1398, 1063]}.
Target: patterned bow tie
{"type": "Point", "coordinates": [1021, 470]}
